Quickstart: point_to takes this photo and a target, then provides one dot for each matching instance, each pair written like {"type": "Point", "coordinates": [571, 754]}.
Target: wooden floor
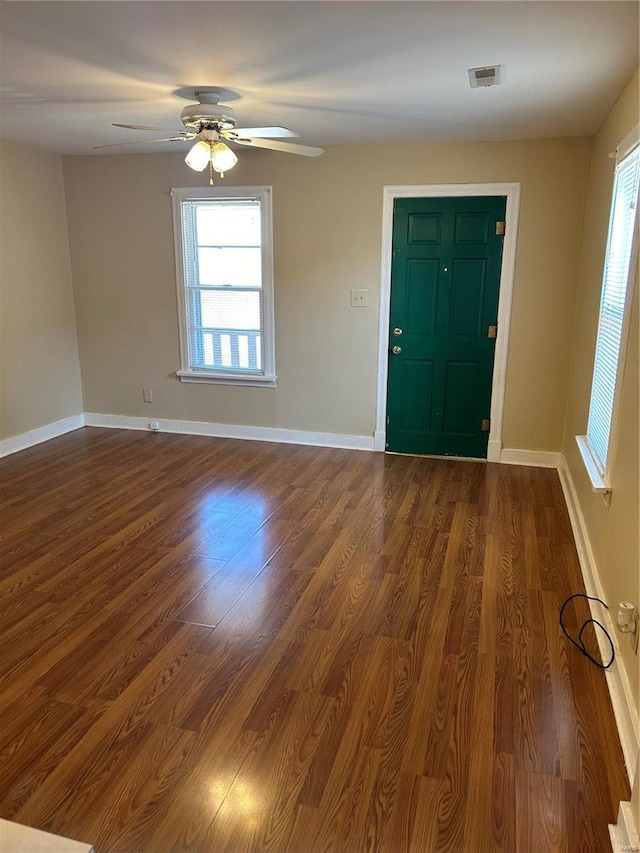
{"type": "Point", "coordinates": [222, 646]}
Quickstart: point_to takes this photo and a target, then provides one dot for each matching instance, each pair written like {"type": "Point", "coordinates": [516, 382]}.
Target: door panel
{"type": "Point", "coordinates": [467, 297]}
{"type": "Point", "coordinates": [460, 389]}
{"type": "Point", "coordinates": [472, 228]}
{"type": "Point", "coordinates": [417, 388]}
{"type": "Point", "coordinates": [421, 296]}
{"type": "Point", "coordinates": [444, 297]}
{"type": "Point", "coordinates": [423, 228]}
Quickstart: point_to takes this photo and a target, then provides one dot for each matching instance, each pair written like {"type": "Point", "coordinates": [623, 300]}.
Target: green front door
{"type": "Point", "coordinates": [445, 279]}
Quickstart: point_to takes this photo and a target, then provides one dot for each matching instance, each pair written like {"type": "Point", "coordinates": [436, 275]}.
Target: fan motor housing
{"type": "Point", "coordinates": [219, 116]}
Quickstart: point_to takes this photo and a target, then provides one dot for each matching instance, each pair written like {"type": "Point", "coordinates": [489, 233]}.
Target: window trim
{"type": "Point", "coordinates": [601, 477]}
{"type": "Point", "coordinates": [268, 378]}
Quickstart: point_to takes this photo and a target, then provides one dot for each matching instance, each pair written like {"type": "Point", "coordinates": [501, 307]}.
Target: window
{"type": "Point", "coordinates": [225, 284]}
{"type": "Point", "coordinates": [596, 446]}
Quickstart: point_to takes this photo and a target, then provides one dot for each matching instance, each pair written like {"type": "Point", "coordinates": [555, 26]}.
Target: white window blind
{"type": "Point", "coordinates": [224, 272]}
{"type": "Point", "coordinates": [223, 276]}
{"type": "Point", "coordinates": [615, 287]}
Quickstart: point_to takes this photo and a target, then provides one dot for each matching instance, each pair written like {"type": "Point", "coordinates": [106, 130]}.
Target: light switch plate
{"type": "Point", "coordinates": [359, 298]}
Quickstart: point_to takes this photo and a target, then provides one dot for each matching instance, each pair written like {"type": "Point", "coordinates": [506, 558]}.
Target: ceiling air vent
{"type": "Point", "coordinates": [487, 76]}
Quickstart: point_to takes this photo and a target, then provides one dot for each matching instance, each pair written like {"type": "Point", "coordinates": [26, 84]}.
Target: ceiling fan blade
{"type": "Point", "coordinates": [149, 127]}
{"type": "Point", "coordinates": [287, 147]}
{"type": "Point", "coordinates": [264, 131]}
{"type": "Point", "coordinates": [144, 141]}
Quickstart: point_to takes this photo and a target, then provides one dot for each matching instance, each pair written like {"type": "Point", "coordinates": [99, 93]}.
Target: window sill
{"type": "Point", "coordinates": [205, 378]}
{"type": "Point", "coordinates": [598, 483]}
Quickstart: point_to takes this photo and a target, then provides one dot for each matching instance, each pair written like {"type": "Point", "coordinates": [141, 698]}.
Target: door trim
{"type": "Point", "coordinates": [511, 191]}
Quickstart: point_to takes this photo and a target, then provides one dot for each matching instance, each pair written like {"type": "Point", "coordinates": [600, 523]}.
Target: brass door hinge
{"type": "Point", "coordinates": [486, 424]}
{"type": "Point", "coordinates": [492, 332]}
{"type": "Point", "coordinates": [500, 227]}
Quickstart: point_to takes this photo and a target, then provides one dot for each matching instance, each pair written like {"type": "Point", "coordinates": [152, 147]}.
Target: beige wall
{"type": "Point", "coordinates": [39, 367]}
{"type": "Point", "coordinates": [327, 231]}
{"type": "Point", "coordinates": [613, 531]}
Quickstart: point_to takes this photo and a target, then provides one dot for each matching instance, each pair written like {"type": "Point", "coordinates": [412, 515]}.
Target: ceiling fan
{"type": "Point", "coordinates": [212, 122]}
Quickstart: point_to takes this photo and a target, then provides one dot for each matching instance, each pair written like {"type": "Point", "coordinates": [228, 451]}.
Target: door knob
{"type": "Point", "coordinates": [396, 350]}
{"type": "Point", "coordinates": [397, 332]}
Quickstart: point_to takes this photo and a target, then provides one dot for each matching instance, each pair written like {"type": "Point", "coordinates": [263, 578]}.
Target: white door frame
{"type": "Point", "coordinates": [512, 193]}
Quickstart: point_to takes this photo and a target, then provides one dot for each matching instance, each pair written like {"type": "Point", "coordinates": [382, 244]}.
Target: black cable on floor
{"type": "Point", "coordinates": [579, 644]}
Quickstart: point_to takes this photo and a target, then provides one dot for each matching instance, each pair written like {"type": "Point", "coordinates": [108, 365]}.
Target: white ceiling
{"type": "Point", "coordinates": [335, 72]}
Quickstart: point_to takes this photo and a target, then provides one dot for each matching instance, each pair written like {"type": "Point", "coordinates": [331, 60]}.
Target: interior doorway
{"type": "Point", "coordinates": [469, 227]}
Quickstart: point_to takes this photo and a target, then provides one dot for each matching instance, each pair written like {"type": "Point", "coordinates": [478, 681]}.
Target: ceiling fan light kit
{"type": "Point", "coordinates": [222, 158]}
{"type": "Point", "coordinates": [198, 157]}
{"type": "Point", "coordinates": [212, 122]}
{"type": "Point", "coordinates": [213, 153]}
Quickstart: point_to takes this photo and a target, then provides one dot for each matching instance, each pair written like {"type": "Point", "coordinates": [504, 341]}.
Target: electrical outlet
{"type": "Point", "coordinates": [147, 395]}
{"type": "Point", "coordinates": [359, 298]}
{"type": "Point", "coordinates": [628, 622]}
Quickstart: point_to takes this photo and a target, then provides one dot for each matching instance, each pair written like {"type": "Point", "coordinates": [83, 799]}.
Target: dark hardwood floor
{"type": "Point", "coordinates": [222, 646]}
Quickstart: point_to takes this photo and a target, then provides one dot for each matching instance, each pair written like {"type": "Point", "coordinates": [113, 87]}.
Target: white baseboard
{"type": "Point", "coordinates": [37, 436]}
{"type": "Point", "coordinates": [496, 453]}
{"type": "Point", "coordinates": [626, 714]}
{"type": "Point", "coordinates": [537, 458]}
{"type": "Point", "coordinates": [494, 450]}
{"type": "Point", "coordinates": [251, 433]}
{"type": "Point", "coordinates": [380, 441]}
{"type": "Point", "coordinates": [624, 833]}
{"type": "Point", "coordinates": [541, 459]}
